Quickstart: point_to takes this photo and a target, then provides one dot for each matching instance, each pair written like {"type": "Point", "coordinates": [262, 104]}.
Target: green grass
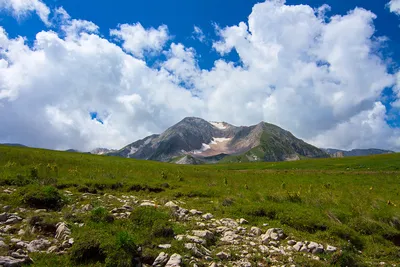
{"type": "Point", "coordinates": [353, 203]}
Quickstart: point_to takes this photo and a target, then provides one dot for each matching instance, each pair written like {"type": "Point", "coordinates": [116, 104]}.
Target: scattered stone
{"type": "Point", "coordinates": [7, 208]}
{"type": "Point", "coordinates": [207, 216]}
{"type": "Point", "coordinates": [40, 210]}
{"type": "Point", "coordinates": [291, 242]}
{"type": "Point", "coordinates": [174, 261]}
{"type": "Point", "coordinates": [223, 255]}
{"type": "Point", "coordinates": [147, 204]}
{"type": "Point", "coordinates": [274, 234]}
{"type": "Point", "coordinates": [243, 221]}
{"type": "Point", "coordinates": [127, 207]}
{"type": "Point", "coordinates": [256, 231]}
{"type": "Point", "coordinates": [315, 248]}
{"type": "Point", "coordinates": [195, 212]}
{"type": "Point", "coordinates": [62, 232]}
{"type": "Point", "coordinates": [161, 260]}
{"type": "Point", "coordinates": [52, 249]}
{"type": "Point", "coordinates": [8, 261]}
{"type": "Point", "coordinates": [298, 246]}
{"type": "Point", "coordinates": [206, 234]}
{"type": "Point", "coordinates": [38, 245]}
{"type": "Point", "coordinates": [21, 232]}
{"type": "Point", "coordinates": [3, 245]}
{"type": "Point", "coordinates": [165, 246]}
{"type": "Point", "coordinates": [330, 249]}
{"type": "Point", "coordinates": [171, 205]}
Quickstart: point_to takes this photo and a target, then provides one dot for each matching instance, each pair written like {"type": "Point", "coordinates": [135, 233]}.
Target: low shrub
{"type": "Point", "coordinates": [87, 249]}
{"type": "Point", "coordinates": [42, 197]}
{"type": "Point", "coordinates": [100, 214]}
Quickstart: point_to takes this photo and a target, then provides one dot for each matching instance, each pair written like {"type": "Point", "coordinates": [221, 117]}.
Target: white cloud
{"type": "Point", "coordinates": [314, 75]}
{"type": "Point", "coordinates": [21, 8]}
{"type": "Point", "coordinates": [138, 40]}
{"type": "Point", "coordinates": [198, 34]}
{"type": "Point", "coordinates": [394, 6]}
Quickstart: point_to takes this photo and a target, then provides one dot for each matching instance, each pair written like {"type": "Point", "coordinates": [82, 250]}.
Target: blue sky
{"type": "Point", "coordinates": [181, 16]}
{"type": "Point", "coordinates": [114, 96]}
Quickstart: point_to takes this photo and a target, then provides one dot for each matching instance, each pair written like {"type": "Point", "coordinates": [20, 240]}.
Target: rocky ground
{"type": "Point", "coordinates": [209, 241]}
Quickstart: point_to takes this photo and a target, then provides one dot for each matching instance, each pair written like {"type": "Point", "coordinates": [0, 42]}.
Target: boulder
{"type": "Point", "coordinates": [255, 231]}
{"type": "Point", "coordinates": [161, 260]}
{"type": "Point", "coordinates": [174, 261]}
{"type": "Point", "coordinates": [62, 231]}
{"type": "Point", "coordinates": [38, 245]}
{"type": "Point", "coordinates": [330, 249]}
{"type": "Point", "coordinates": [223, 255]}
{"type": "Point", "coordinates": [207, 216]}
{"type": "Point", "coordinates": [274, 234]}
{"type": "Point", "coordinates": [206, 234]}
{"type": "Point", "coordinates": [8, 261]}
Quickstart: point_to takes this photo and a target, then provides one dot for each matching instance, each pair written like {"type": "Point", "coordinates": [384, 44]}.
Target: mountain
{"type": "Point", "coordinates": [196, 141]}
{"type": "Point", "coordinates": [337, 153]}
{"type": "Point", "coordinates": [101, 151]}
{"type": "Point", "coordinates": [11, 144]}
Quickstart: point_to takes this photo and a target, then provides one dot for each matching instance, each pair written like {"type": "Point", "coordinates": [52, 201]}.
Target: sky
{"type": "Point", "coordinates": [87, 74]}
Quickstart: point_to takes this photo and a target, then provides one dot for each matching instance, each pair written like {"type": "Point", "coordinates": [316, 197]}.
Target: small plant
{"type": "Point", "coordinates": [225, 181]}
{"type": "Point", "coordinates": [46, 197]}
{"type": "Point", "coordinates": [100, 214]}
{"type": "Point", "coordinates": [87, 249]}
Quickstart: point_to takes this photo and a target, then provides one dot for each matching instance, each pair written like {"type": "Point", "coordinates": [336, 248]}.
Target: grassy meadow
{"type": "Point", "coordinates": [352, 203]}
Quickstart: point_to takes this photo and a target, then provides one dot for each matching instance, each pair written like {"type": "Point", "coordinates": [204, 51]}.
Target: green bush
{"type": "Point", "coordinates": [124, 252]}
{"type": "Point", "coordinates": [47, 197]}
{"type": "Point", "coordinates": [100, 214]}
{"type": "Point", "coordinates": [87, 249]}
{"type": "Point", "coordinates": [154, 222]}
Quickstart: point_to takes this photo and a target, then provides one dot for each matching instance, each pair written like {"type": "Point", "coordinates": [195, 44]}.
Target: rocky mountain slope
{"type": "Point", "coordinates": [195, 141]}
{"type": "Point", "coordinates": [337, 153]}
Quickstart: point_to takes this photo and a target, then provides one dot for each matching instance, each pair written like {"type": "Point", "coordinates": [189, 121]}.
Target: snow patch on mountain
{"type": "Point", "coordinates": [217, 145]}
{"type": "Point", "coordinates": [219, 125]}
{"type": "Point", "coordinates": [132, 151]}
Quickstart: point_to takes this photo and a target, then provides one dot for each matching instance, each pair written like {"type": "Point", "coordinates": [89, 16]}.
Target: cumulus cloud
{"type": "Point", "coordinates": [394, 6]}
{"type": "Point", "coordinates": [319, 77]}
{"type": "Point", "coordinates": [21, 8]}
{"type": "Point", "coordinates": [138, 40]}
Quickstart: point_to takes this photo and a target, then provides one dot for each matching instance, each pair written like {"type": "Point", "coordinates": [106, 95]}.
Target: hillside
{"type": "Point", "coordinates": [210, 142]}
{"type": "Point", "coordinates": [337, 153]}
{"type": "Point", "coordinates": [253, 214]}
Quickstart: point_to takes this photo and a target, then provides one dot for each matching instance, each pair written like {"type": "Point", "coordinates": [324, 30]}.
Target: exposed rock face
{"type": "Point", "coordinates": [196, 141]}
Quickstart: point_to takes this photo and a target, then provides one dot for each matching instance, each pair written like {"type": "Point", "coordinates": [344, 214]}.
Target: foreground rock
{"type": "Point", "coordinates": [8, 261]}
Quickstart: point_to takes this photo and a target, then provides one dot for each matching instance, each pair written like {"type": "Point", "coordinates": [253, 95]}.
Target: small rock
{"type": "Point", "coordinates": [40, 210]}
{"type": "Point", "coordinates": [275, 234]}
{"type": "Point", "coordinates": [223, 255]}
{"type": "Point", "coordinates": [213, 264]}
{"type": "Point", "coordinates": [243, 221]}
{"type": "Point", "coordinates": [3, 245]}
{"type": "Point", "coordinates": [161, 260]}
{"type": "Point", "coordinates": [330, 249]}
{"type": "Point", "coordinates": [207, 216]}
{"type": "Point", "coordinates": [21, 232]}
{"type": "Point", "coordinates": [7, 208]}
{"type": "Point", "coordinates": [62, 232]}
{"type": "Point", "coordinates": [291, 242]}
{"type": "Point", "coordinates": [174, 261]}
{"type": "Point", "coordinates": [87, 207]}
{"type": "Point", "coordinates": [127, 207]}
{"type": "Point", "coordinates": [8, 261]}
{"type": "Point", "coordinates": [298, 246]}
{"type": "Point", "coordinates": [195, 212]}
{"type": "Point", "coordinates": [38, 245]}
{"type": "Point", "coordinates": [256, 231]}
{"type": "Point", "coordinates": [206, 234]}
{"type": "Point", "coordinates": [147, 204]}
{"type": "Point", "coordinates": [172, 205]}
{"type": "Point", "coordinates": [165, 246]}
{"type": "Point", "coordinates": [52, 249]}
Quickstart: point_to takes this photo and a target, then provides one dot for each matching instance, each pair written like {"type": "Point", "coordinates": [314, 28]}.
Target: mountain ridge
{"type": "Point", "coordinates": [196, 140]}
